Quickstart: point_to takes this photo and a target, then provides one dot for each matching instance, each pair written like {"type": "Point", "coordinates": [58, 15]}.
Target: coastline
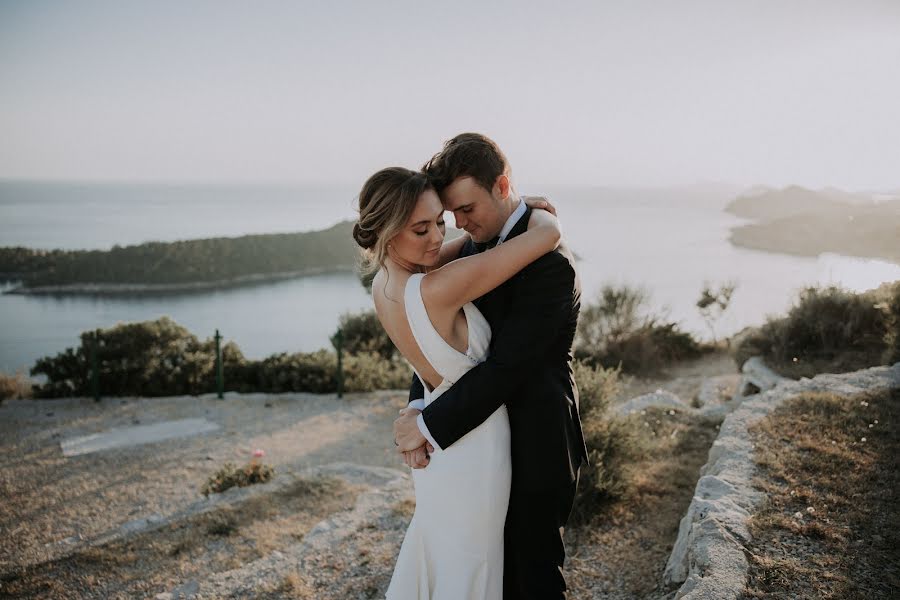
{"type": "Point", "coordinates": [114, 289]}
{"type": "Point", "coordinates": [762, 237]}
{"type": "Point", "coordinates": [779, 250]}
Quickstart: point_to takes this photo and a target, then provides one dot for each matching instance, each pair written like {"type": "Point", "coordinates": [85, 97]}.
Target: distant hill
{"type": "Point", "coordinates": [182, 264]}
{"type": "Point", "coordinates": [807, 222]}
{"type": "Point", "coordinates": [768, 203]}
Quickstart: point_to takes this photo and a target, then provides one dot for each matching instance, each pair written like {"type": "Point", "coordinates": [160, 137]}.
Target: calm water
{"type": "Point", "coordinates": [669, 241]}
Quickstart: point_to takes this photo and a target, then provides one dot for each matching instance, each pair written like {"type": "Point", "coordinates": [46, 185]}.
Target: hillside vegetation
{"type": "Point", "coordinates": [189, 261]}
{"type": "Point", "coordinates": [829, 330]}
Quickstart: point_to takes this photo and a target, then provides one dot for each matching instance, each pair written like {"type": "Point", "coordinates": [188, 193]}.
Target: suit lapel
{"type": "Point", "coordinates": [521, 225]}
{"type": "Point", "coordinates": [493, 305]}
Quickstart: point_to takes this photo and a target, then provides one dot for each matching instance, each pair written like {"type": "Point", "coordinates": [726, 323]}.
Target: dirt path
{"type": "Point", "coordinates": [621, 555]}
{"type": "Point", "coordinates": [52, 502]}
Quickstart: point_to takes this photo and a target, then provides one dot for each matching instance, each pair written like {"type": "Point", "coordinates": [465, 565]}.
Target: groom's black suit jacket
{"type": "Point", "coordinates": [533, 318]}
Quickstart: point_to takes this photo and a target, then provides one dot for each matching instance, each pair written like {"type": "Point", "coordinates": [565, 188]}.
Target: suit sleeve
{"type": "Point", "coordinates": [416, 389]}
{"type": "Point", "coordinates": [542, 302]}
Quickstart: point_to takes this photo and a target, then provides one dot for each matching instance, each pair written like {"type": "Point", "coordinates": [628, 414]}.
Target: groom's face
{"type": "Point", "coordinates": [477, 210]}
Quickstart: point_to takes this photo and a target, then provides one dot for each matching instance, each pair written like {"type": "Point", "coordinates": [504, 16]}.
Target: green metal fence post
{"type": "Point", "coordinates": [339, 346]}
{"type": "Point", "coordinates": [95, 375]}
{"type": "Point", "coordinates": [220, 378]}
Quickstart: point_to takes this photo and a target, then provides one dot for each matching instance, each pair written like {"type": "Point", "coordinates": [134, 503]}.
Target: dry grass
{"type": "Point", "coordinates": [292, 586]}
{"type": "Point", "coordinates": [215, 541]}
{"type": "Point", "coordinates": [14, 386]}
{"type": "Point", "coordinates": [830, 526]}
{"type": "Point", "coordinates": [622, 552]}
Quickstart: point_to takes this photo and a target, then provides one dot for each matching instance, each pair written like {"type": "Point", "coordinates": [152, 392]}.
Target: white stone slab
{"type": "Point", "coordinates": [133, 436]}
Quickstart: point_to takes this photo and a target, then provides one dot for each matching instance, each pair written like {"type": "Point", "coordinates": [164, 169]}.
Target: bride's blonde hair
{"type": "Point", "coordinates": [386, 202]}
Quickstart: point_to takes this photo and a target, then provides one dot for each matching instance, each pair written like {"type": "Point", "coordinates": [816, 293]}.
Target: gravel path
{"type": "Point", "coordinates": [53, 504]}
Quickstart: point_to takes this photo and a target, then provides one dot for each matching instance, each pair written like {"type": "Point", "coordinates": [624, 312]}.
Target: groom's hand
{"type": "Point", "coordinates": [406, 431]}
{"type": "Point", "coordinates": [418, 458]}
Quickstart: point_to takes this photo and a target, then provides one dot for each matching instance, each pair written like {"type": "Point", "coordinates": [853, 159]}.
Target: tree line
{"type": "Point", "coordinates": [187, 261]}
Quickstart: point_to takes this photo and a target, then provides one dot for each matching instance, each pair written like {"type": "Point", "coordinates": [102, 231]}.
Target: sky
{"type": "Point", "coordinates": [641, 93]}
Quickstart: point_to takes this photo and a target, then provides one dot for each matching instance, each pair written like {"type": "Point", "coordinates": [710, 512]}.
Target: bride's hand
{"type": "Point", "coordinates": [541, 218]}
{"type": "Point", "coordinates": [541, 203]}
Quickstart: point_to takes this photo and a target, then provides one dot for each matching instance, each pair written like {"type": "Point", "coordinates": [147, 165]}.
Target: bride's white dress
{"type": "Point", "coordinates": [453, 549]}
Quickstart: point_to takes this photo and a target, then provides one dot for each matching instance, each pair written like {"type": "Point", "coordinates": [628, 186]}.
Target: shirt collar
{"type": "Point", "coordinates": [512, 220]}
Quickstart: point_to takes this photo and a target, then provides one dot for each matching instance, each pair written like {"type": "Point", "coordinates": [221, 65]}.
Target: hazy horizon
{"type": "Point", "coordinates": [590, 94]}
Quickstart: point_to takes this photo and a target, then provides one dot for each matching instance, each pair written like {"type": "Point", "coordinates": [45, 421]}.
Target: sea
{"type": "Point", "coordinates": [668, 241]}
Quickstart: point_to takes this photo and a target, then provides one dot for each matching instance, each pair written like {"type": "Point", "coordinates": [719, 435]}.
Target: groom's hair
{"type": "Point", "coordinates": [467, 155]}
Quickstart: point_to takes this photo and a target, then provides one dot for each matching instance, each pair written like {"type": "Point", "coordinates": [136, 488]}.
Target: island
{"type": "Point", "coordinates": [182, 265]}
{"type": "Point", "coordinates": [804, 222]}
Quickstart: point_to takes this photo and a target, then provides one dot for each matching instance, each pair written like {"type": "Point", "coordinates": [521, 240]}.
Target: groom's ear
{"type": "Point", "coordinates": [501, 187]}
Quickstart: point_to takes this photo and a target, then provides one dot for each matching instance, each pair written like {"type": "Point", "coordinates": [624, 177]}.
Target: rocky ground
{"type": "Point", "coordinates": [131, 521]}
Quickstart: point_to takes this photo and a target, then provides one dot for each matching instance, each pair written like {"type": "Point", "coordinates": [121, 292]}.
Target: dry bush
{"type": "Point", "coordinates": [619, 330]}
{"type": "Point", "coordinates": [16, 386]}
{"type": "Point", "coordinates": [230, 476]}
{"type": "Point", "coordinates": [829, 329]}
{"type": "Point", "coordinates": [610, 442]}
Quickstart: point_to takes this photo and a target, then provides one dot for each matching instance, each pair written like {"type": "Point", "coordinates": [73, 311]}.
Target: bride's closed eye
{"type": "Point", "coordinates": [424, 231]}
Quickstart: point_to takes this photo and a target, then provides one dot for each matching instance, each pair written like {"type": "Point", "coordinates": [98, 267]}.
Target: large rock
{"type": "Point", "coordinates": [708, 556]}
{"type": "Point", "coordinates": [757, 377]}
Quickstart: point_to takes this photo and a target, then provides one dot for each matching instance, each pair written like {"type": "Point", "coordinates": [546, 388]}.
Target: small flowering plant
{"type": "Point", "coordinates": [230, 475]}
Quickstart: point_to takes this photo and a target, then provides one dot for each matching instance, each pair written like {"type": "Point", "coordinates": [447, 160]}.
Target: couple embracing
{"type": "Point", "coordinates": [487, 321]}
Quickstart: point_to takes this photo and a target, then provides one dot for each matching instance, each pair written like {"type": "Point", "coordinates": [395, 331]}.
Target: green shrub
{"type": "Point", "coordinates": [314, 372]}
{"type": "Point", "coordinates": [617, 330]}
{"type": "Point", "coordinates": [363, 333]}
{"type": "Point", "coordinates": [368, 371]}
{"type": "Point", "coordinates": [891, 306]}
{"type": "Point", "coordinates": [161, 358]}
{"type": "Point", "coordinates": [151, 358]}
{"type": "Point", "coordinates": [828, 329]}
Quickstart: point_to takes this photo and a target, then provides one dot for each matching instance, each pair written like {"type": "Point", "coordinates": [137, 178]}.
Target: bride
{"type": "Point", "coordinates": [453, 548]}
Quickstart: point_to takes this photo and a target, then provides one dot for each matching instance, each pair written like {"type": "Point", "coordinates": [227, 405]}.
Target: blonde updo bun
{"type": "Point", "coordinates": [366, 239]}
{"type": "Point", "coordinates": [386, 201]}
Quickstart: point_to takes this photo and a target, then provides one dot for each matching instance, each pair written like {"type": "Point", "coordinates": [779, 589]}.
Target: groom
{"type": "Point", "coordinates": [533, 318]}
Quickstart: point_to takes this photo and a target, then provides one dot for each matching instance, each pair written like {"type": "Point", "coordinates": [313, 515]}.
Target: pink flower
{"type": "Point", "coordinates": [258, 453]}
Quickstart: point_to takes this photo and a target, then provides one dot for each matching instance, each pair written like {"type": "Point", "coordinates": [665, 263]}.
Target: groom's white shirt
{"type": "Point", "coordinates": [419, 403]}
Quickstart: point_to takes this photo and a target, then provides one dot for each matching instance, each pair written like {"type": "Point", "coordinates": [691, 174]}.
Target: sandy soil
{"type": "Point", "coordinates": [50, 498]}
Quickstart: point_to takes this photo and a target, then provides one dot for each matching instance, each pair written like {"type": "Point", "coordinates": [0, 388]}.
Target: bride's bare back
{"type": "Point", "coordinates": [388, 294]}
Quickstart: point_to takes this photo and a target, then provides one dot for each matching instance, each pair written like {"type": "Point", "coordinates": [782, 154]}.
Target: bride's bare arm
{"type": "Point", "coordinates": [452, 249]}
{"type": "Point", "coordinates": [463, 280]}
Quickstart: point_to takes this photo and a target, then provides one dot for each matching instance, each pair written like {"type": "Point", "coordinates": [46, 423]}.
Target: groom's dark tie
{"type": "Point", "coordinates": [482, 246]}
